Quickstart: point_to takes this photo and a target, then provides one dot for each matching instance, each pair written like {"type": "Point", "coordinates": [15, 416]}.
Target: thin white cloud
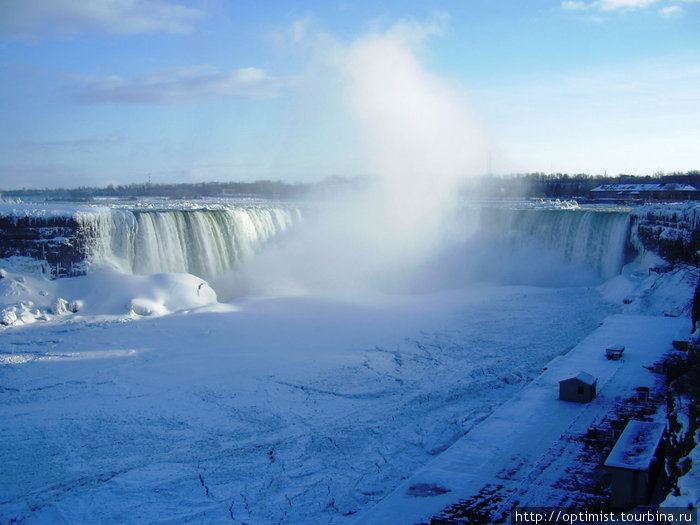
{"type": "Point", "coordinates": [575, 6]}
{"type": "Point", "coordinates": [181, 85]}
{"type": "Point", "coordinates": [671, 10]}
{"type": "Point", "coordinates": [607, 5]}
{"type": "Point", "coordinates": [34, 19]}
{"type": "Point", "coordinates": [615, 5]}
{"type": "Point", "coordinates": [415, 32]}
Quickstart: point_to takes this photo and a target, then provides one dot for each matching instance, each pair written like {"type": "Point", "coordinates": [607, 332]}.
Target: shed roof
{"type": "Point", "coordinates": [637, 445]}
{"type": "Point", "coordinates": [583, 377]}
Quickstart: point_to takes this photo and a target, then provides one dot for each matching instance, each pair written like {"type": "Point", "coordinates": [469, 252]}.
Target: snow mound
{"type": "Point", "coordinates": [29, 297]}
{"type": "Point", "coordinates": [650, 286]}
{"type": "Point", "coordinates": [109, 292]}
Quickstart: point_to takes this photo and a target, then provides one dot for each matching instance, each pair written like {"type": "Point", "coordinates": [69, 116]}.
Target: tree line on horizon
{"type": "Point", "coordinates": [563, 185]}
{"type": "Point", "coordinates": [526, 185]}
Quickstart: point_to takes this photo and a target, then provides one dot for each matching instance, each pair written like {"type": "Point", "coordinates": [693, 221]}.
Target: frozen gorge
{"type": "Point", "coordinates": [239, 361]}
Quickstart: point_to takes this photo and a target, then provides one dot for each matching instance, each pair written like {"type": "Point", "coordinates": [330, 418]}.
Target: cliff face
{"type": "Point", "coordinates": [55, 240]}
{"type": "Point", "coordinates": [670, 230]}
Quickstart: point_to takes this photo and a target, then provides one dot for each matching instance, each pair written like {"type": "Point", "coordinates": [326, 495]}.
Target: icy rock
{"type": "Point", "coordinates": [75, 306]}
{"type": "Point", "coordinates": [42, 234]}
{"type": "Point", "coordinates": [667, 229]}
{"type": "Point", "coordinates": [59, 307]}
{"type": "Point", "coordinates": [8, 316]}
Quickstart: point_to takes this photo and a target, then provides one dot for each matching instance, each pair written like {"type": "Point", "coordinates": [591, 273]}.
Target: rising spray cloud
{"type": "Point", "coordinates": [419, 134]}
{"type": "Point", "coordinates": [419, 139]}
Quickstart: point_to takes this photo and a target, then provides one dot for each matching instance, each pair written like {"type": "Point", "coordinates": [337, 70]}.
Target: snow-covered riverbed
{"type": "Point", "coordinates": [296, 409]}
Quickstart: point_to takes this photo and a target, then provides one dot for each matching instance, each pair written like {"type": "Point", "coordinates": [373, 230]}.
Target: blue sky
{"type": "Point", "coordinates": [120, 91]}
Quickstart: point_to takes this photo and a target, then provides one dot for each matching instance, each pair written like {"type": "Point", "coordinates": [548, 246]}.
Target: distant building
{"type": "Point", "coordinates": [645, 192]}
{"type": "Point", "coordinates": [635, 463]}
{"type": "Point", "coordinates": [581, 388]}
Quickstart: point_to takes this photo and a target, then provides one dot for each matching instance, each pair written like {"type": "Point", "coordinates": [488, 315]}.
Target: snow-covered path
{"type": "Point", "coordinates": [507, 446]}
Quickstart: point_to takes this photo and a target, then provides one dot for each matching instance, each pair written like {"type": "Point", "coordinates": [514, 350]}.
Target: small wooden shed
{"type": "Point", "coordinates": [635, 462]}
{"type": "Point", "coordinates": [580, 388]}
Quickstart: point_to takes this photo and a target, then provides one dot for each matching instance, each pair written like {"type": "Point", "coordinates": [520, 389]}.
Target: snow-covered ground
{"type": "Point", "coordinates": [512, 447]}
{"type": "Point", "coordinates": [288, 409]}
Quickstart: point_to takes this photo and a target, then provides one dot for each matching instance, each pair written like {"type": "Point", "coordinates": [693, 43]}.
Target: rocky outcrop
{"type": "Point", "coordinates": [54, 240]}
{"type": "Point", "coordinates": [670, 230]}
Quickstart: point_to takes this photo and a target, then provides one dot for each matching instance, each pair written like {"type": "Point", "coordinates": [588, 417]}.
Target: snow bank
{"type": "Point", "coordinates": [640, 290]}
{"type": "Point", "coordinates": [108, 292]}
{"type": "Point", "coordinates": [29, 296]}
{"type": "Point", "coordinates": [42, 211]}
{"type": "Point", "coordinates": [688, 494]}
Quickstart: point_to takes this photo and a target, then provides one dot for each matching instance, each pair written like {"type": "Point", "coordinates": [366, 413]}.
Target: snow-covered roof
{"type": "Point", "coordinates": [638, 188]}
{"type": "Point", "coordinates": [637, 446]}
{"type": "Point", "coordinates": [583, 377]}
{"type": "Point", "coordinates": [587, 378]}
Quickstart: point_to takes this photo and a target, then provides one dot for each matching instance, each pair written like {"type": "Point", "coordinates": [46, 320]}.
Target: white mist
{"type": "Point", "coordinates": [420, 141]}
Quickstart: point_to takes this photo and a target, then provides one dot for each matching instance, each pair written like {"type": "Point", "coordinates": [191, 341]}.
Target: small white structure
{"type": "Point", "coordinates": [635, 462]}
{"type": "Point", "coordinates": [614, 351]}
{"type": "Point", "coordinates": [580, 388]}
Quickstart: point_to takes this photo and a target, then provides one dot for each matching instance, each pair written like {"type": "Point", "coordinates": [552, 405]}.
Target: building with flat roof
{"type": "Point", "coordinates": [635, 463]}
{"type": "Point", "coordinates": [645, 192]}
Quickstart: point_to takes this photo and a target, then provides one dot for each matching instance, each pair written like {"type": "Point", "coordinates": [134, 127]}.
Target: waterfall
{"type": "Point", "coordinates": [525, 244]}
{"type": "Point", "coordinates": [589, 239]}
{"type": "Point", "coordinates": [204, 242]}
{"type": "Point", "coordinates": [530, 245]}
